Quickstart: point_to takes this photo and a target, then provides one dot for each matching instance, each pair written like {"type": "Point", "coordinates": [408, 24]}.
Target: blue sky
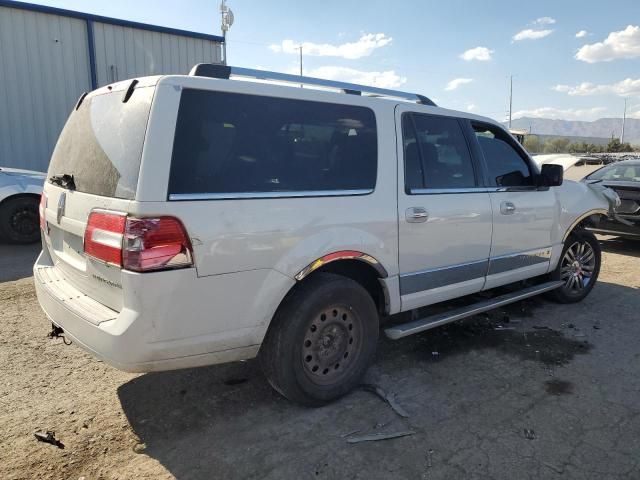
{"type": "Point", "coordinates": [420, 46]}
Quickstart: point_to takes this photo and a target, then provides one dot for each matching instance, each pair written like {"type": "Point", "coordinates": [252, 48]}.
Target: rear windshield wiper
{"type": "Point", "coordinates": [65, 181]}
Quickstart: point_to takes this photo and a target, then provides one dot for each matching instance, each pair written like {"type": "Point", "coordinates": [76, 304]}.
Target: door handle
{"type": "Point", "coordinates": [416, 215]}
{"type": "Point", "coordinates": [507, 208]}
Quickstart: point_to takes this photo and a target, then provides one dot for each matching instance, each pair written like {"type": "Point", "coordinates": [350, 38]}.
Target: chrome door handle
{"type": "Point", "coordinates": [416, 215]}
{"type": "Point", "coordinates": [507, 208]}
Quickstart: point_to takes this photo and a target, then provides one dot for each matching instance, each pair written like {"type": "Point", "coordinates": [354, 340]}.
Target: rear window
{"type": "Point", "coordinates": [101, 144]}
{"type": "Point", "coordinates": [228, 143]}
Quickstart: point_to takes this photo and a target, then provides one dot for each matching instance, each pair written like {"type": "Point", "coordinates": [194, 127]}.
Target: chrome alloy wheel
{"type": "Point", "coordinates": [333, 341]}
{"type": "Point", "coordinates": [578, 265]}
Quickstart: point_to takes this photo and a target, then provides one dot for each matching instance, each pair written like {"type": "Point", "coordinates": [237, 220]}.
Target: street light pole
{"type": "Point", "coordinates": [510, 98]}
{"type": "Point", "coordinates": [624, 120]}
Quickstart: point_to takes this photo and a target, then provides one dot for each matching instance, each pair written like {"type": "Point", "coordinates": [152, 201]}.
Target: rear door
{"type": "Point", "coordinates": [444, 213]}
{"type": "Point", "coordinates": [101, 147]}
{"type": "Point", "coordinates": [524, 215]}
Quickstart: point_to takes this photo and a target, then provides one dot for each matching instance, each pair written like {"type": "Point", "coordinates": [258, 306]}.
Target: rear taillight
{"type": "Point", "coordinates": [103, 236]}
{"type": "Point", "coordinates": [42, 209]}
{"type": "Point", "coordinates": [137, 244]}
{"type": "Point", "coordinates": [155, 244]}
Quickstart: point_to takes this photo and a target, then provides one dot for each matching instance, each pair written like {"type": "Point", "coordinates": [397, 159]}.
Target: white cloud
{"type": "Point", "coordinates": [386, 79]}
{"type": "Point", "coordinates": [471, 107]}
{"type": "Point", "coordinates": [544, 21]}
{"type": "Point", "coordinates": [625, 88]}
{"type": "Point", "coordinates": [482, 54]}
{"type": "Point", "coordinates": [562, 114]}
{"type": "Point", "coordinates": [456, 82]}
{"type": "Point", "coordinates": [530, 34]}
{"type": "Point", "coordinates": [363, 47]}
{"type": "Point", "coordinates": [622, 44]}
{"type": "Point", "coordinates": [582, 34]}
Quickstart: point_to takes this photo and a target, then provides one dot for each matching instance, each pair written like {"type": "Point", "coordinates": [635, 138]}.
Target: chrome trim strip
{"type": "Point", "coordinates": [257, 195]}
{"type": "Point", "coordinates": [582, 217]}
{"type": "Point", "coordinates": [439, 277]}
{"type": "Point", "coordinates": [441, 191]}
{"type": "Point", "coordinates": [341, 255]}
{"type": "Point", "coordinates": [505, 263]}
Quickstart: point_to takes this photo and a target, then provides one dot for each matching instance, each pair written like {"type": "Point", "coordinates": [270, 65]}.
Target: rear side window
{"type": "Point", "coordinates": [506, 166]}
{"type": "Point", "coordinates": [228, 143]}
{"type": "Point", "coordinates": [436, 153]}
{"type": "Point", "coordinates": [101, 143]}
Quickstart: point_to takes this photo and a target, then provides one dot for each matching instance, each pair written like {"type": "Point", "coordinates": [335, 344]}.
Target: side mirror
{"type": "Point", "coordinates": [551, 175]}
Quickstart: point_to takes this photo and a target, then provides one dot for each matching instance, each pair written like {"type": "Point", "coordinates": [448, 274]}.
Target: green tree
{"type": "Point", "coordinates": [557, 145]}
{"type": "Point", "coordinates": [533, 144]}
{"type": "Point", "coordinates": [614, 146]}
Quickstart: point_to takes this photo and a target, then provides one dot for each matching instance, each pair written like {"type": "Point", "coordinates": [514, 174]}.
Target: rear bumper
{"type": "Point", "coordinates": [173, 328]}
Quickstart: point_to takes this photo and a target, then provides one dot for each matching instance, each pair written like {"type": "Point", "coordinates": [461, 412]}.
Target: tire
{"type": "Point", "coordinates": [321, 340]}
{"type": "Point", "coordinates": [578, 267]}
{"type": "Point", "coordinates": [19, 220]}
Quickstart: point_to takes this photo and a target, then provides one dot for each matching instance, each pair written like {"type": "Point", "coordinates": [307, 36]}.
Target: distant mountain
{"type": "Point", "coordinates": [602, 128]}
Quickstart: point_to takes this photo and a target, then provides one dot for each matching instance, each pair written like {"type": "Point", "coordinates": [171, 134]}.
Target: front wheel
{"type": "Point", "coordinates": [321, 341]}
{"type": "Point", "coordinates": [578, 267]}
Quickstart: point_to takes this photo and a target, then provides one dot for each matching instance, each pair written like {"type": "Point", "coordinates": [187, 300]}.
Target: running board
{"type": "Point", "coordinates": [417, 326]}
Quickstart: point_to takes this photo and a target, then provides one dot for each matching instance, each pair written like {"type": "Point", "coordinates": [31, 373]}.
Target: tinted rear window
{"type": "Point", "coordinates": [230, 143]}
{"type": "Point", "coordinates": [101, 144]}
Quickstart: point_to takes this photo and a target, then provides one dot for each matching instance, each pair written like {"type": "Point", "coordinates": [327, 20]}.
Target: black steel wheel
{"type": "Point", "coordinates": [19, 220]}
{"type": "Point", "coordinates": [321, 340]}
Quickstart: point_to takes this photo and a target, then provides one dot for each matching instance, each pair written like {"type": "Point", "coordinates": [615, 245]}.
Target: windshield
{"type": "Point", "coordinates": [101, 144]}
{"type": "Point", "coordinates": [621, 172]}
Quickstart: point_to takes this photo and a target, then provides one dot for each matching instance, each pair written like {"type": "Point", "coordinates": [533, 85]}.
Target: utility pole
{"type": "Point", "coordinates": [300, 48]}
{"type": "Point", "coordinates": [510, 98]}
{"type": "Point", "coordinates": [624, 120]}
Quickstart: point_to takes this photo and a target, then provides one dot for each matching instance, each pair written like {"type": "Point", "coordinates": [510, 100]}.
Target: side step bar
{"type": "Point", "coordinates": [417, 326]}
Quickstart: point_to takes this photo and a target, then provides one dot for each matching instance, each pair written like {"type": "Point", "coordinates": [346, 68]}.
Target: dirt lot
{"type": "Point", "coordinates": [554, 394]}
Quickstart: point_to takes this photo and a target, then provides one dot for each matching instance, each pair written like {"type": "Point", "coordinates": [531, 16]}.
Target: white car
{"type": "Point", "coordinates": [19, 197]}
{"type": "Point", "coordinates": [194, 220]}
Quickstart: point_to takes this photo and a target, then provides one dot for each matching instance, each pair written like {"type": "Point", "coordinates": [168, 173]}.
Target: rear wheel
{"type": "Point", "coordinates": [321, 341]}
{"type": "Point", "coordinates": [578, 267]}
{"type": "Point", "coordinates": [19, 222]}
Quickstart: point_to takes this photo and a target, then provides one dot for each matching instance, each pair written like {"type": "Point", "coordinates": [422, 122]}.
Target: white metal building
{"type": "Point", "coordinates": [50, 56]}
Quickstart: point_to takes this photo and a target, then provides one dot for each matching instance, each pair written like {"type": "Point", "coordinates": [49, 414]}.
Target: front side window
{"type": "Point", "coordinates": [228, 143]}
{"type": "Point", "coordinates": [506, 167]}
{"type": "Point", "coordinates": [436, 154]}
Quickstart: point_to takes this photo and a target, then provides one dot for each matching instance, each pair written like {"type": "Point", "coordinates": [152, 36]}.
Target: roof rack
{"type": "Point", "coordinates": [225, 72]}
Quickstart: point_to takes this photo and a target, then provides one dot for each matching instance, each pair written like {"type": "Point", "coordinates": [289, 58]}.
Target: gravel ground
{"type": "Point", "coordinates": [538, 390]}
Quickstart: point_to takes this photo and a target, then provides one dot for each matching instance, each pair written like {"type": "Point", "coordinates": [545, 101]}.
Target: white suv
{"type": "Point", "coordinates": [194, 220]}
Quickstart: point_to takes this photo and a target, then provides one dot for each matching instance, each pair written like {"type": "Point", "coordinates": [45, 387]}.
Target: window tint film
{"type": "Point", "coordinates": [506, 167]}
{"type": "Point", "coordinates": [101, 143]}
{"type": "Point", "coordinates": [436, 153]}
{"type": "Point", "coordinates": [234, 143]}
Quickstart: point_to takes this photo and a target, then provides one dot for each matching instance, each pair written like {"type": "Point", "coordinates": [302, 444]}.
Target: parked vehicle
{"type": "Point", "coordinates": [194, 220]}
{"type": "Point", "coordinates": [19, 197]}
{"type": "Point", "coordinates": [624, 178]}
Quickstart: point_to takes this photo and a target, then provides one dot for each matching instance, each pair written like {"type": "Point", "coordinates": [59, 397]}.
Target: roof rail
{"type": "Point", "coordinates": [225, 72]}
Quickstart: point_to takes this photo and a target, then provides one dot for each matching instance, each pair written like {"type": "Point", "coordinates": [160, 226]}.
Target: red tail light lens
{"type": "Point", "coordinates": [103, 236]}
{"type": "Point", "coordinates": [42, 210]}
{"type": "Point", "coordinates": [137, 244]}
{"type": "Point", "coordinates": [156, 244]}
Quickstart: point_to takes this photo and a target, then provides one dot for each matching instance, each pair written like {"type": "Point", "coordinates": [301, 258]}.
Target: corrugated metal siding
{"type": "Point", "coordinates": [123, 52]}
{"type": "Point", "coordinates": [44, 67]}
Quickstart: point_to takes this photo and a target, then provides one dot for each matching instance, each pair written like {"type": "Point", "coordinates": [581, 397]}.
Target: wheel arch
{"type": "Point", "coordinates": [19, 195]}
{"type": "Point", "coordinates": [581, 220]}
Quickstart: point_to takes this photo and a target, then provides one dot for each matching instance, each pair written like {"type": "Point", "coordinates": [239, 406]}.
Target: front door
{"type": "Point", "coordinates": [523, 213]}
{"type": "Point", "coordinates": [445, 218]}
